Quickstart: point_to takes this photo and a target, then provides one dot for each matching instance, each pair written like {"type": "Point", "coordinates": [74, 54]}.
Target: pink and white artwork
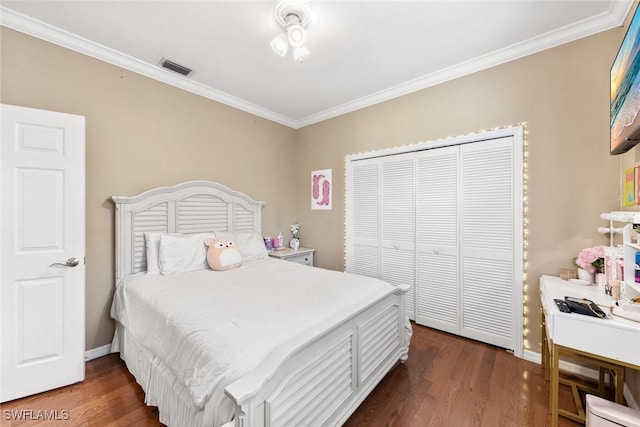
{"type": "Point", "coordinates": [321, 189]}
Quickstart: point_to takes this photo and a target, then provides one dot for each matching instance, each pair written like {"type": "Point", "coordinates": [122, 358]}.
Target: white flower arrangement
{"type": "Point", "coordinates": [295, 228]}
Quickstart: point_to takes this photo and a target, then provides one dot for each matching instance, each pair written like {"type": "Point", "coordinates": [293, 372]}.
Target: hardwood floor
{"type": "Point", "coordinates": [447, 381]}
{"type": "Point", "coordinates": [453, 381]}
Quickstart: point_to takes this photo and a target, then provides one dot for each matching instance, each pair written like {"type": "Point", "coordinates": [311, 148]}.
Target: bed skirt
{"type": "Point", "coordinates": [161, 388]}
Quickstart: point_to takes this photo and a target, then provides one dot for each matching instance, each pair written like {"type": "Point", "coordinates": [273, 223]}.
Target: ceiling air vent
{"type": "Point", "coordinates": [177, 68]}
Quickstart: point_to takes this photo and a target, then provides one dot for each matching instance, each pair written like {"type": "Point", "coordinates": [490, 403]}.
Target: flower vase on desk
{"type": "Point", "coordinates": [294, 243]}
{"type": "Point", "coordinates": [585, 275]}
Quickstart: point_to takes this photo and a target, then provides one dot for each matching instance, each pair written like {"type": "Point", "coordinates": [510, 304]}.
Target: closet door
{"type": "Point", "coordinates": [363, 220]}
{"type": "Point", "coordinates": [437, 248]}
{"type": "Point", "coordinates": [397, 263]}
{"type": "Point", "coordinates": [487, 242]}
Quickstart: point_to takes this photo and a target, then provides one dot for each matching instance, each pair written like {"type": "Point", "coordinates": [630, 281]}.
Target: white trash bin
{"type": "Point", "coordinates": [602, 413]}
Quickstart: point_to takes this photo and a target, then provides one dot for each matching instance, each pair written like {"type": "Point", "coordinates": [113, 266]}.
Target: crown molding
{"type": "Point", "coordinates": [49, 33]}
{"type": "Point", "coordinates": [615, 17]}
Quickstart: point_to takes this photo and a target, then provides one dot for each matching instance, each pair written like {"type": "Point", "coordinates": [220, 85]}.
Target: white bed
{"type": "Point", "coordinates": [271, 343]}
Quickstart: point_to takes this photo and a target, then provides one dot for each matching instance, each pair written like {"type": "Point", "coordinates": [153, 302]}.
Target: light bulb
{"type": "Point", "coordinates": [280, 44]}
{"type": "Point", "coordinates": [299, 53]}
{"type": "Point", "coordinates": [297, 35]}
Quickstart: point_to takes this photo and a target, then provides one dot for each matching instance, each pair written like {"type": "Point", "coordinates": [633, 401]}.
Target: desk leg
{"type": "Point", "coordinates": [555, 384]}
{"type": "Point", "coordinates": [545, 347]}
{"type": "Point", "coordinates": [619, 372]}
{"type": "Point", "coordinates": [601, 383]}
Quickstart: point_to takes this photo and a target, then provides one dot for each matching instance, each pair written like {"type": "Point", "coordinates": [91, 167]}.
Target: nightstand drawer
{"type": "Point", "coordinates": [306, 259]}
{"type": "Point", "coordinates": [300, 256]}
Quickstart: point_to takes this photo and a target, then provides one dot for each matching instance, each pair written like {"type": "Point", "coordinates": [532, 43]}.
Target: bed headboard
{"type": "Point", "coordinates": [190, 207]}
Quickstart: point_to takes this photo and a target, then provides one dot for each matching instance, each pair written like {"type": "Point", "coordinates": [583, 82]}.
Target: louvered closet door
{"type": "Point", "coordinates": [363, 250]}
{"type": "Point", "coordinates": [437, 238]}
{"type": "Point", "coordinates": [487, 239]}
{"type": "Point", "coordinates": [397, 261]}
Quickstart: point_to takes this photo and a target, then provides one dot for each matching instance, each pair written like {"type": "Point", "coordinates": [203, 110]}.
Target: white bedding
{"type": "Point", "coordinates": [210, 328]}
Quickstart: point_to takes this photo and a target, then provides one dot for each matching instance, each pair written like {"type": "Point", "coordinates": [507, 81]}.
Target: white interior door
{"type": "Point", "coordinates": [489, 287]}
{"type": "Point", "coordinates": [437, 246]}
{"type": "Point", "coordinates": [397, 263]}
{"type": "Point", "coordinates": [363, 221]}
{"type": "Point", "coordinates": [42, 249]}
{"type": "Point", "coordinates": [468, 226]}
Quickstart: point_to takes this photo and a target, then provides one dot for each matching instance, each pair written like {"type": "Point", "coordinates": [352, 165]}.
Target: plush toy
{"type": "Point", "coordinates": [222, 254]}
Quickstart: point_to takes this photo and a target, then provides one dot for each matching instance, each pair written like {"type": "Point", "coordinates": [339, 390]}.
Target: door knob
{"type": "Point", "coordinates": [71, 262]}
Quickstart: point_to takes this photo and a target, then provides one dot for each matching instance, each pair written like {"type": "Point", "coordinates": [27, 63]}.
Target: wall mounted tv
{"type": "Point", "coordinates": [625, 91]}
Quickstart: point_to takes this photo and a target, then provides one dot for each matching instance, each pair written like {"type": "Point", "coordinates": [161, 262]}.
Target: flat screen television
{"type": "Point", "coordinates": [625, 91]}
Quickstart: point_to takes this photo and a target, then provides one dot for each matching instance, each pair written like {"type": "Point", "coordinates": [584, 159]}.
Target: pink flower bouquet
{"type": "Point", "coordinates": [591, 259]}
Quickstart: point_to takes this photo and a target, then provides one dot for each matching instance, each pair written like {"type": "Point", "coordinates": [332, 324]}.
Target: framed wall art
{"type": "Point", "coordinates": [321, 186]}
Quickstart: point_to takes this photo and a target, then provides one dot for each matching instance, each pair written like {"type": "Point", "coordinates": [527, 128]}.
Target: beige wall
{"type": "Point", "coordinates": [141, 133]}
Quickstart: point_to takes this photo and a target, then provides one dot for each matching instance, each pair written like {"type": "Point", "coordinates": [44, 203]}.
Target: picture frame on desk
{"type": "Point", "coordinates": [629, 187]}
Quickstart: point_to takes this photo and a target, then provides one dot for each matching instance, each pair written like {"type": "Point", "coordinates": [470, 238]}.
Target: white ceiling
{"type": "Point", "coordinates": [362, 52]}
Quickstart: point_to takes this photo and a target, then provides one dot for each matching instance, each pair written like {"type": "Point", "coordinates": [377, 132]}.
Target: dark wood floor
{"type": "Point", "coordinates": [447, 381]}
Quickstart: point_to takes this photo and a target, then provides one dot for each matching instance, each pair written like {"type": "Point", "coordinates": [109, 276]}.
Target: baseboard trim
{"type": "Point", "coordinates": [94, 353]}
{"type": "Point", "coordinates": [534, 357]}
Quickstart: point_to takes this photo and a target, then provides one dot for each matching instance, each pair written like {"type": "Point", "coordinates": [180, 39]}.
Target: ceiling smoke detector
{"type": "Point", "coordinates": [293, 17]}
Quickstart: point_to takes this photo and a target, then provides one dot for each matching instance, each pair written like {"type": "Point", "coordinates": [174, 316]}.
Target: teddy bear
{"type": "Point", "coordinates": [222, 254]}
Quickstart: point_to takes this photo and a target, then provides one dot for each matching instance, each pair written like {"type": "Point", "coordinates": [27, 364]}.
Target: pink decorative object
{"type": "Point", "coordinates": [321, 189]}
{"type": "Point", "coordinates": [591, 259]}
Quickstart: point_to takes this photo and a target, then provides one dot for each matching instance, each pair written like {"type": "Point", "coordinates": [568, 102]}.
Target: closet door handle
{"type": "Point", "coordinates": [396, 246]}
{"type": "Point", "coordinates": [436, 251]}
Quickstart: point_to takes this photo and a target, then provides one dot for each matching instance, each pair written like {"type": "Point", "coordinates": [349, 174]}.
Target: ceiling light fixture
{"type": "Point", "coordinates": [293, 17]}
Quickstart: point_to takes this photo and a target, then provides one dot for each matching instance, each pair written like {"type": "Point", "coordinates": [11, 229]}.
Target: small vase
{"type": "Point", "coordinates": [601, 280]}
{"type": "Point", "coordinates": [294, 243]}
{"type": "Point", "coordinates": [585, 275]}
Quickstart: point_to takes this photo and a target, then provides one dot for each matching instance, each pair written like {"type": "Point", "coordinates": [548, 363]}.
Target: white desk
{"type": "Point", "coordinates": [612, 343]}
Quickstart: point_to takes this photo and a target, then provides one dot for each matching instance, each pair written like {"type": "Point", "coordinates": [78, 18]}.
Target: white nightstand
{"type": "Point", "coordinates": [300, 255]}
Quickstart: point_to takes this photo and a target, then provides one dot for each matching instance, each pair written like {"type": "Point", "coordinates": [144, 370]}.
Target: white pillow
{"type": "Point", "coordinates": [152, 247]}
{"type": "Point", "coordinates": [249, 243]}
{"type": "Point", "coordinates": [183, 253]}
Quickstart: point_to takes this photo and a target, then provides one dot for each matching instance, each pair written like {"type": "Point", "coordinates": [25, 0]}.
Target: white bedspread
{"type": "Point", "coordinates": [212, 327]}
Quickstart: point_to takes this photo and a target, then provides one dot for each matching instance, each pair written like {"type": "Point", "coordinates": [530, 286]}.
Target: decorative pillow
{"type": "Point", "coordinates": [180, 253]}
{"type": "Point", "coordinates": [249, 243]}
{"type": "Point", "coordinates": [222, 254]}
